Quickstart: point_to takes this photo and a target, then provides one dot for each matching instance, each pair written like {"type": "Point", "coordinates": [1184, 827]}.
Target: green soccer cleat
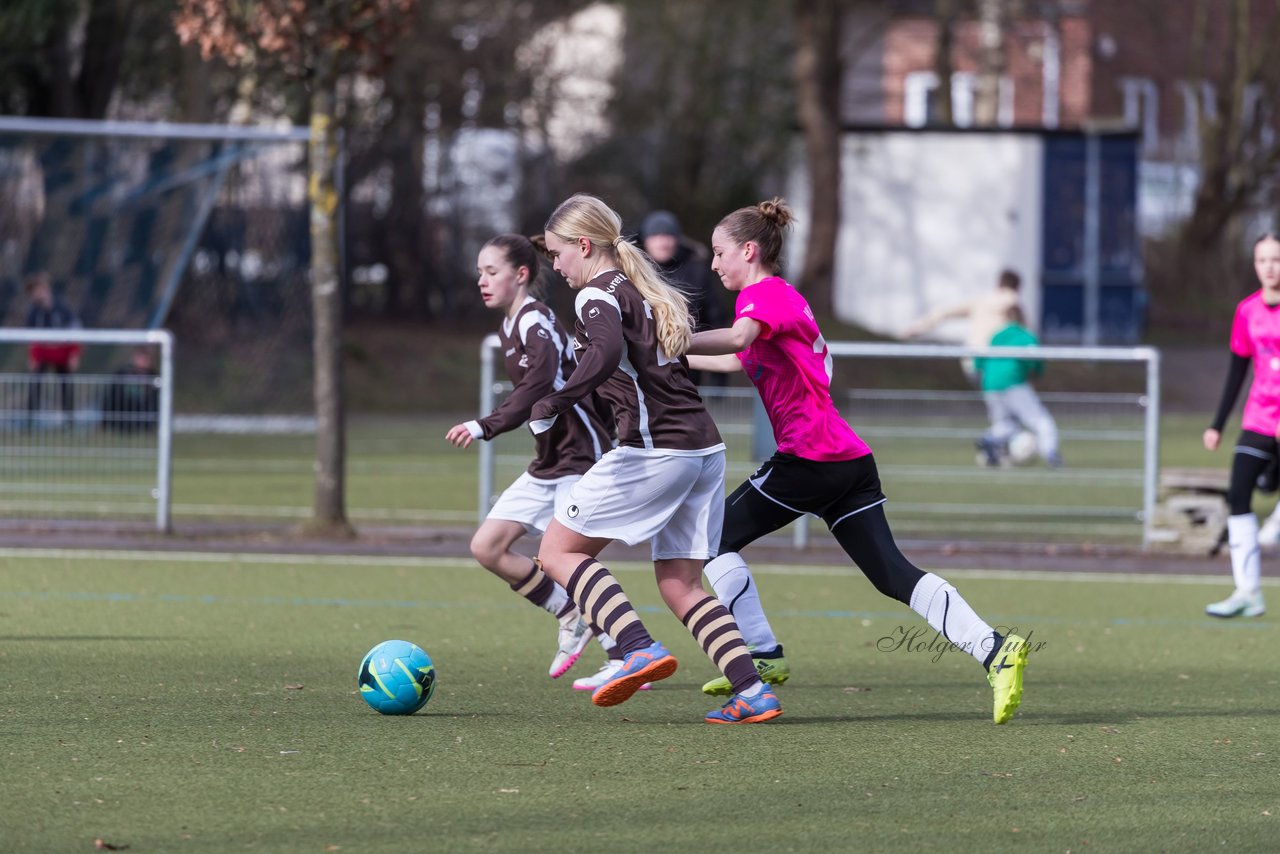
{"type": "Point", "coordinates": [1005, 677]}
{"type": "Point", "coordinates": [773, 671]}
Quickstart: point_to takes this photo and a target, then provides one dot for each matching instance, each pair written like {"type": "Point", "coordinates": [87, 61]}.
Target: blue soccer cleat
{"type": "Point", "coordinates": [650, 664]}
{"type": "Point", "coordinates": [747, 710]}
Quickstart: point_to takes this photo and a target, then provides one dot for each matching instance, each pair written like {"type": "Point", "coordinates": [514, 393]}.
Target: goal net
{"type": "Point", "coordinates": [199, 229]}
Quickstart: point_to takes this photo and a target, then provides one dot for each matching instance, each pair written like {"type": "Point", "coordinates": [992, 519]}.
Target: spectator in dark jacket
{"type": "Point", "coordinates": [687, 265]}
{"type": "Point", "coordinates": [131, 403]}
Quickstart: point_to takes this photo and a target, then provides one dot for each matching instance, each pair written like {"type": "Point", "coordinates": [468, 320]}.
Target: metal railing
{"type": "Point", "coordinates": [88, 442]}
{"type": "Point", "coordinates": [923, 440]}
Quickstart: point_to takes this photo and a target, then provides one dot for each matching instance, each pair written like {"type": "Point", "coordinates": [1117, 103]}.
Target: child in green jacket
{"type": "Point", "coordinates": [1012, 403]}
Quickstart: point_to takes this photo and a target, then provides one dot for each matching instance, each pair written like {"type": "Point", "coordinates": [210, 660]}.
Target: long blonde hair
{"type": "Point", "coordinates": [586, 216]}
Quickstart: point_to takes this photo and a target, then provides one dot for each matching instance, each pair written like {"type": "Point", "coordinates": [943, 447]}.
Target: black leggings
{"type": "Point", "coordinates": [846, 495]}
{"type": "Point", "coordinates": [1254, 454]}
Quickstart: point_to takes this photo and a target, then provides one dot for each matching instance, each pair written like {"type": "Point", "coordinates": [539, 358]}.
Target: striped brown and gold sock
{"type": "Point", "coordinates": [541, 590]}
{"type": "Point", "coordinates": [713, 627]}
{"type": "Point", "coordinates": [603, 601]}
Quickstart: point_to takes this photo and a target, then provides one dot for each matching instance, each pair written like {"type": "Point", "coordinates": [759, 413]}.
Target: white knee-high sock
{"type": "Point", "coordinates": [557, 601]}
{"type": "Point", "coordinates": [609, 645]}
{"type": "Point", "coordinates": [945, 610]}
{"type": "Point", "coordinates": [1246, 557]}
{"type": "Point", "coordinates": [731, 579]}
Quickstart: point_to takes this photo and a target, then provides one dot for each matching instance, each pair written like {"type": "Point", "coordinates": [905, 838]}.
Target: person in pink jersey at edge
{"type": "Point", "coordinates": [664, 482]}
{"type": "Point", "coordinates": [538, 356]}
{"type": "Point", "coordinates": [821, 465]}
{"type": "Point", "coordinates": [1255, 337]}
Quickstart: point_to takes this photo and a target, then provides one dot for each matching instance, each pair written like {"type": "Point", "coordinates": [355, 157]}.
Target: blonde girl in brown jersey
{"type": "Point", "coordinates": [665, 480]}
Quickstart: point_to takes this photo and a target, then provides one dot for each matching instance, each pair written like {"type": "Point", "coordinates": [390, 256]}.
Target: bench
{"type": "Point", "coordinates": [1192, 508]}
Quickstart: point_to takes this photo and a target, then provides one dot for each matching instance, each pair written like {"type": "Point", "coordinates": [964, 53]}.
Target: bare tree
{"type": "Point", "coordinates": [315, 43]}
{"type": "Point", "coordinates": [945, 12]}
{"type": "Point", "coordinates": [1237, 135]}
{"type": "Point", "coordinates": [993, 21]}
{"type": "Point", "coordinates": [694, 123]}
{"type": "Point", "coordinates": [66, 59]}
{"type": "Point", "coordinates": [817, 68]}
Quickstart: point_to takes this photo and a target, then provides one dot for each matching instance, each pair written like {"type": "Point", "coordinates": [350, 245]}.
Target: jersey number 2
{"type": "Point", "coordinates": [820, 347]}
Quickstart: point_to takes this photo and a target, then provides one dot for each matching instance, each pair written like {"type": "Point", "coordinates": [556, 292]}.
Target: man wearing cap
{"type": "Point", "coordinates": [687, 265]}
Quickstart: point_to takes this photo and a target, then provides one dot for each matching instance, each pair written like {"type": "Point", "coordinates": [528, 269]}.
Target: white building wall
{"type": "Point", "coordinates": [929, 219]}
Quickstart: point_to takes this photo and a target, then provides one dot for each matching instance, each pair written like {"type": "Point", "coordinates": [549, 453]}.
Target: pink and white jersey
{"type": "Point", "coordinates": [1255, 334]}
{"type": "Point", "coordinates": [790, 366]}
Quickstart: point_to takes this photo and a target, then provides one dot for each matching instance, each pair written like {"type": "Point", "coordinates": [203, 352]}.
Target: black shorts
{"type": "Point", "coordinates": [828, 490]}
{"type": "Point", "coordinates": [786, 487]}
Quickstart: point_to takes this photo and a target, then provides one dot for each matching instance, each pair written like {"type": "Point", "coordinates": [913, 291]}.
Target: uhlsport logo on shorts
{"type": "Point", "coordinates": [572, 511]}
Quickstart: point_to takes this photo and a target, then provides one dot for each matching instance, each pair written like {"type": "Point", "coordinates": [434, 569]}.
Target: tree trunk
{"type": "Point", "coordinates": [106, 33]}
{"type": "Point", "coordinates": [945, 14]}
{"type": "Point", "coordinates": [992, 16]}
{"type": "Point", "coordinates": [329, 515]}
{"type": "Point", "coordinates": [817, 75]}
{"type": "Point", "coordinates": [1227, 171]}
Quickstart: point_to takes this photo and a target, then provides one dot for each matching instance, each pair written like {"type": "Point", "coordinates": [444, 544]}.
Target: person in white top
{"type": "Point", "coordinates": [986, 315]}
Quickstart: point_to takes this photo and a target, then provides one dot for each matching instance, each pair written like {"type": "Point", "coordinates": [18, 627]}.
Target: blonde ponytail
{"type": "Point", "coordinates": [586, 216]}
{"type": "Point", "coordinates": [669, 304]}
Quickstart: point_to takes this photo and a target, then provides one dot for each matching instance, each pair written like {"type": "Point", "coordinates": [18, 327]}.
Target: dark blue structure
{"type": "Point", "coordinates": [1080, 251]}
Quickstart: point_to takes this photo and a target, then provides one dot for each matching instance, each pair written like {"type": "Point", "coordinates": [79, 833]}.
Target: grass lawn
{"type": "Point", "coordinates": [173, 702]}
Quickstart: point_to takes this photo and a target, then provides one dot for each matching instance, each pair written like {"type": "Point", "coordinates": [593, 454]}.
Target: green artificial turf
{"type": "Point", "coordinates": [175, 702]}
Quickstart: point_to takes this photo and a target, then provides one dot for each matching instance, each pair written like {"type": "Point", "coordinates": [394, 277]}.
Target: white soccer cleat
{"type": "Point", "coordinates": [1238, 604]}
{"type": "Point", "coordinates": [601, 676]}
{"type": "Point", "coordinates": [574, 636]}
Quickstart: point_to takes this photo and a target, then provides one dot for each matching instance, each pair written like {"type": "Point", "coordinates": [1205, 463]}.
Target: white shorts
{"type": "Point", "coordinates": [533, 502]}
{"type": "Point", "coordinates": [633, 495]}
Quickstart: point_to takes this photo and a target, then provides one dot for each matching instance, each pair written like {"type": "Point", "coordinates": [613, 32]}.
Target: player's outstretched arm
{"type": "Point", "coordinates": [719, 342]}
{"type": "Point", "coordinates": [541, 370]}
{"type": "Point", "coordinates": [929, 322]}
{"type": "Point", "coordinates": [461, 435]}
{"type": "Point", "coordinates": [726, 364]}
{"type": "Point", "coordinates": [605, 345]}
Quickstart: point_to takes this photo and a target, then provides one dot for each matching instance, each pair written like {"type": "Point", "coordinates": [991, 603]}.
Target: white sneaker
{"type": "Point", "coordinates": [603, 675]}
{"type": "Point", "coordinates": [575, 634]}
{"type": "Point", "coordinates": [1269, 533]}
{"type": "Point", "coordinates": [1238, 604]}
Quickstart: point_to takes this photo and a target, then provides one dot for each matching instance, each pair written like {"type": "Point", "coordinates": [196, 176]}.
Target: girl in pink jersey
{"type": "Point", "coordinates": [665, 480]}
{"type": "Point", "coordinates": [821, 466]}
{"type": "Point", "coordinates": [1255, 338]}
{"type": "Point", "coordinates": [538, 356]}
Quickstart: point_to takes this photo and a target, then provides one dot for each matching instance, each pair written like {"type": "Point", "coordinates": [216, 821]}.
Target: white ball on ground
{"type": "Point", "coordinates": [1022, 447]}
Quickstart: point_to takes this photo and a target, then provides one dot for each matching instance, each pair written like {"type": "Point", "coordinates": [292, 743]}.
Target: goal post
{"type": "Point", "coordinates": [1110, 419]}
{"type": "Point", "coordinates": [95, 442]}
{"type": "Point", "coordinates": [490, 389]}
{"type": "Point", "coordinates": [1106, 401]}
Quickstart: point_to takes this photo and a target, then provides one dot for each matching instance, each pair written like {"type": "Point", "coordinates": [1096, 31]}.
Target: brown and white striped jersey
{"type": "Point", "coordinates": [655, 404]}
{"type": "Point", "coordinates": [538, 356]}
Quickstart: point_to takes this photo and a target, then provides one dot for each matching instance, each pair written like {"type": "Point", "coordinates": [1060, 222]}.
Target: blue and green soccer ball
{"type": "Point", "coordinates": [397, 678]}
